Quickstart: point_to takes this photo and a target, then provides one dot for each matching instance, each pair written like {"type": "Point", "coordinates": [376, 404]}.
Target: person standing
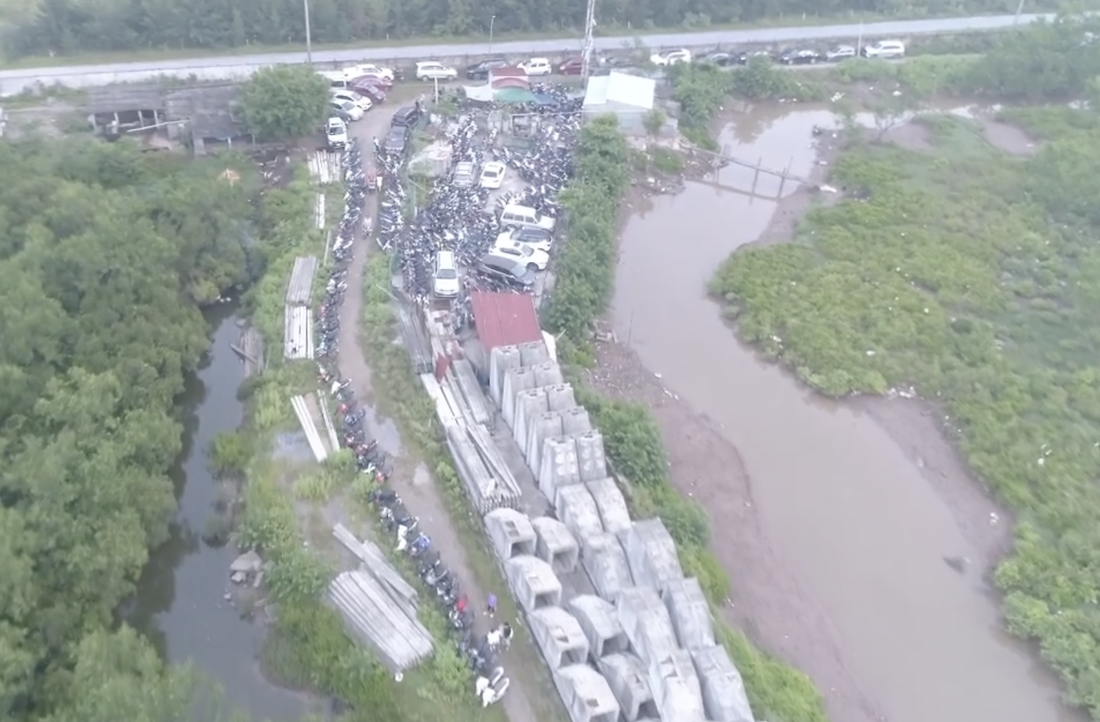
{"type": "Point", "coordinates": [491, 606]}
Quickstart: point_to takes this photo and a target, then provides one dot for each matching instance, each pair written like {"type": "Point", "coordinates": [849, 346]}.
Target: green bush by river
{"type": "Point", "coordinates": [975, 277]}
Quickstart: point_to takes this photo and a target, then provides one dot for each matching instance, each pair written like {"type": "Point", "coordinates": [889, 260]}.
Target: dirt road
{"type": "Point", "coordinates": [418, 488]}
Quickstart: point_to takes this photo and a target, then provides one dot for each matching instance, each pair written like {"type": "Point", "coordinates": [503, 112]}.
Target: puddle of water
{"type": "Point", "coordinates": [179, 603]}
{"type": "Point", "coordinates": [840, 501]}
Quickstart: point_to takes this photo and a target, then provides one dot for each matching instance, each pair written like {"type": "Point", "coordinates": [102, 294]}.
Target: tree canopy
{"type": "Point", "coordinates": [78, 26]}
{"type": "Point", "coordinates": [106, 255]}
{"type": "Point", "coordinates": [284, 101]}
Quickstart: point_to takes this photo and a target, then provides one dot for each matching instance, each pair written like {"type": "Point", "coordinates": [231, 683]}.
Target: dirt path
{"type": "Point", "coordinates": [416, 486]}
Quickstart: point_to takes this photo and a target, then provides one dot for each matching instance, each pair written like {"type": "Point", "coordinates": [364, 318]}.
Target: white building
{"type": "Point", "coordinates": [628, 97]}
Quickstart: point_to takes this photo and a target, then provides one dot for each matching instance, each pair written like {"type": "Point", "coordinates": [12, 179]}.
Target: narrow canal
{"type": "Point", "coordinates": [180, 602]}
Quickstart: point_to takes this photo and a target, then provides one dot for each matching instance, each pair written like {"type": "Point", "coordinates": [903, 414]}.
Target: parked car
{"type": "Point", "coordinates": [345, 109]}
{"type": "Point", "coordinates": [885, 49]}
{"type": "Point", "coordinates": [350, 96]}
{"type": "Point", "coordinates": [397, 141]}
{"type": "Point", "coordinates": [366, 86]}
{"type": "Point", "coordinates": [464, 175]}
{"type": "Point", "coordinates": [517, 216]}
{"type": "Point", "coordinates": [538, 238]}
{"type": "Point", "coordinates": [720, 58]}
{"type": "Point", "coordinates": [480, 71]}
{"type": "Point", "coordinates": [745, 56]}
{"type": "Point", "coordinates": [376, 71]}
{"type": "Point", "coordinates": [508, 269]}
{"type": "Point", "coordinates": [431, 70]}
{"type": "Point", "coordinates": [671, 57]}
{"type": "Point", "coordinates": [537, 66]}
{"type": "Point", "coordinates": [534, 259]}
{"type": "Point", "coordinates": [615, 61]}
{"type": "Point", "coordinates": [804, 56]}
{"type": "Point", "coordinates": [336, 133]}
{"type": "Point", "coordinates": [571, 66]}
{"type": "Point", "coordinates": [445, 282]}
{"type": "Point", "coordinates": [407, 116]}
{"type": "Point", "coordinates": [840, 52]}
{"type": "Point", "coordinates": [492, 175]}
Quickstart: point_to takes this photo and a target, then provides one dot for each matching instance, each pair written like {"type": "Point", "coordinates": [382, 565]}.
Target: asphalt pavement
{"type": "Point", "coordinates": [13, 82]}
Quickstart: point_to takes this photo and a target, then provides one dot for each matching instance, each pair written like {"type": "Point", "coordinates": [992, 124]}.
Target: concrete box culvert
{"type": "Point", "coordinates": [533, 583]}
{"type": "Point", "coordinates": [557, 466]}
{"type": "Point", "coordinates": [555, 545]}
{"type": "Point", "coordinates": [511, 533]}
{"type": "Point", "coordinates": [601, 626]}
{"type": "Point", "coordinates": [559, 636]}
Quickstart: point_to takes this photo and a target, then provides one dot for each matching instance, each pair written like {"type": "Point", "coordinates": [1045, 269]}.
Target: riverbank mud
{"type": "Point", "coordinates": [857, 543]}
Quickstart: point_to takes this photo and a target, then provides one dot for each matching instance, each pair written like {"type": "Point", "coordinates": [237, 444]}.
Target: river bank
{"type": "Point", "coordinates": [843, 526]}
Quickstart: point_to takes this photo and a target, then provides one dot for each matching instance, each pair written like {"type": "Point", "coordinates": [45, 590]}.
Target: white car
{"type": "Point", "coordinates": [336, 133]}
{"type": "Point", "coordinates": [345, 109]}
{"type": "Point", "coordinates": [536, 66]}
{"type": "Point", "coordinates": [885, 49]}
{"type": "Point", "coordinates": [492, 175]}
{"type": "Point", "coordinates": [350, 96]}
{"type": "Point", "coordinates": [671, 57]}
{"type": "Point", "coordinates": [431, 70]}
{"type": "Point", "coordinates": [840, 52]}
{"type": "Point", "coordinates": [536, 238]}
{"type": "Point", "coordinates": [377, 71]}
{"type": "Point", "coordinates": [445, 282]}
{"type": "Point", "coordinates": [534, 259]}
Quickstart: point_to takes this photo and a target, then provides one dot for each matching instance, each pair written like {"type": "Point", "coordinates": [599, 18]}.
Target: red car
{"type": "Point", "coordinates": [375, 80]}
{"type": "Point", "coordinates": [367, 86]}
{"type": "Point", "coordinates": [571, 66]}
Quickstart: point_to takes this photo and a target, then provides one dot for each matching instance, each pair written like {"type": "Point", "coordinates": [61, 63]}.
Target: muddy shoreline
{"type": "Point", "coordinates": [767, 599]}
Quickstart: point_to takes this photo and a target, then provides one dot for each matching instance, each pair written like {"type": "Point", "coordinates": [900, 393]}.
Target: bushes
{"type": "Point", "coordinates": [983, 300]}
{"type": "Point", "coordinates": [585, 268]}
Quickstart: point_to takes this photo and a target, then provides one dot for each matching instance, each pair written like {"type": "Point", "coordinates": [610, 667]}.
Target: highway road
{"type": "Point", "coordinates": [13, 82]}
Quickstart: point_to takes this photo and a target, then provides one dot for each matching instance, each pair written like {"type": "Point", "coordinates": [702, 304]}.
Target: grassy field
{"type": "Point", "coordinates": [974, 276]}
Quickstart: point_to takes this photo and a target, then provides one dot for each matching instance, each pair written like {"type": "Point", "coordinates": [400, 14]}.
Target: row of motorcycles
{"type": "Point", "coordinates": [459, 217]}
{"type": "Point", "coordinates": [480, 652]}
{"type": "Point", "coordinates": [350, 417]}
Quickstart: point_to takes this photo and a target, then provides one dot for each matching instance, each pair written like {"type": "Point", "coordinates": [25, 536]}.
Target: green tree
{"type": "Point", "coordinates": [284, 101]}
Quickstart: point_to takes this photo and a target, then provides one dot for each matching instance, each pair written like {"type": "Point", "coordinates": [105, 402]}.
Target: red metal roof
{"type": "Point", "coordinates": [505, 319]}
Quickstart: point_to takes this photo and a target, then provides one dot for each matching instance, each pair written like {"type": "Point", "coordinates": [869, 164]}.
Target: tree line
{"type": "Point", "coordinates": [106, 256]}
{"type": "Point", "coordinates": [68, 27]}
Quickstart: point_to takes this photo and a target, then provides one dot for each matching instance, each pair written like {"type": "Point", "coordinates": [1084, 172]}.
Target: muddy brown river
{"type": "Point", "coordinates": [843, 505]}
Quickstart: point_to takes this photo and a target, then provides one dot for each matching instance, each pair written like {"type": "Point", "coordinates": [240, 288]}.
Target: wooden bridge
{"type": "Point", "coordinates": [723, 159]}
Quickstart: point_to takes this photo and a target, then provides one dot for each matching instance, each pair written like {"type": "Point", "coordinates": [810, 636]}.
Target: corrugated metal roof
{"type": "Point", "coordinates": [505, 319]}
{"type": "Point", "coordinates": [620, 89]}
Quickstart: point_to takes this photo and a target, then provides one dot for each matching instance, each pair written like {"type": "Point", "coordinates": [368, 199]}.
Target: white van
{"type": "Point", "coordinates": [517, 216]}
{"type": "Point", "coordinates": [885, 49]}
{"type": "Point", "coordinates": [445, 281]}
{"type": "Point", "coordinates": [336, 78]}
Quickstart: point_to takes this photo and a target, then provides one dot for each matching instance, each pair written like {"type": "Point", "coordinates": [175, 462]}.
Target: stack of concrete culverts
{"type": "Point", "coordinates": [642, 647]}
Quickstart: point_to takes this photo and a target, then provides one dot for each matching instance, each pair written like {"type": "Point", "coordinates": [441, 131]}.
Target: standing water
{"type": "Point", "coordinates": [838, 499]}
{"type": "Point", "coordinates": [180, 599]}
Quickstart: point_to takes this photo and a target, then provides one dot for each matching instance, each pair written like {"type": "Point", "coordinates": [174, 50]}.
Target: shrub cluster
{"type": "Point", "coordinates": [631, 437]}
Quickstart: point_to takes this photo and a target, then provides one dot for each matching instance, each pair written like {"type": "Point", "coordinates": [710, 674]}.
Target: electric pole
{"type": "Point", "coordinates": [309, 40]}
{"type": "Point", "coordinates": [586, 50]}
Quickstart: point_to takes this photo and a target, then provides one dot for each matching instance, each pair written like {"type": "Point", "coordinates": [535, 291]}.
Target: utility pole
{"type": "Point", "coordinates": [492, 21]}
{"type": "Point", "coordinates": [1019, 9]}
{"type": "Point", "coordinates": [589, 42]}
{"type": "Point", "coordinates": [309, 40]}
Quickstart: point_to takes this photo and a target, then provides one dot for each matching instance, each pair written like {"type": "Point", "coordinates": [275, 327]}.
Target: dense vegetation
{"type": "Point", "coordinates": [106, 255]}
{"type": "Point", "coordinates": [79, 26]}
{"type": "Point", "coordinates": [974, 277]}
{"type": "Point", "coordinates": [284, 101]}
{"type": "Point", "coordinates": [585, 276]}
